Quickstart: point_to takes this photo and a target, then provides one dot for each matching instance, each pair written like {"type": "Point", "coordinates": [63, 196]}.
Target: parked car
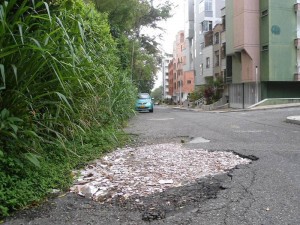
{"type": "Point", "coordinates": [144, 103]}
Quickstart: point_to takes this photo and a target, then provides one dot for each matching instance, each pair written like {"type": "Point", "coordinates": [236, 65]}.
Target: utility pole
{"type": "Point", "coordinates": [180, 92]}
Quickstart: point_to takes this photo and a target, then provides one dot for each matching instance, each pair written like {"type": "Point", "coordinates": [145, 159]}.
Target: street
{"type": "Point", "coordinates": [267, 191]}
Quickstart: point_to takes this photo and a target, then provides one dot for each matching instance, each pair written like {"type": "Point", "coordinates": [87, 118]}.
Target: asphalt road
{"type": "Point", "coordinates": [265, 192]}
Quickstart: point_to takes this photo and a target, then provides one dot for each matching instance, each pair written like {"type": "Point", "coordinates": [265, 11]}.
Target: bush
{"type": "Point", "coordinates": [60, 82]}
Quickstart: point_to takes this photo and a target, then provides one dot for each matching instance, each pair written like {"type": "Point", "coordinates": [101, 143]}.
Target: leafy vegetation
{"type": "Point", "coordinates": [127, 18]}
{"type": "Point", "coordinates": [157, 94]}
{"type": "Point", "coordinates": [211, 92]}
{"type": "Point", "coordinates": [69, 75]}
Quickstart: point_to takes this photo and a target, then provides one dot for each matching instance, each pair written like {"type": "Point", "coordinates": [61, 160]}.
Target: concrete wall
{"type": "Point", "coordinates": [278, 31]}
{"type": "Point", "coordinates": [208, 53]}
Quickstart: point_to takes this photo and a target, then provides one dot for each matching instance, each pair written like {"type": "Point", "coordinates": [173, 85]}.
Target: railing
{"type": "Point", "coordinates": [199, 102]}
{"type": "Point", "coordinates": [228, 80]}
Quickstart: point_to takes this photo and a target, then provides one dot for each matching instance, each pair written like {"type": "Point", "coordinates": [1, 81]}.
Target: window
{"type": "Point", "coordinates": [217, 38]}
{"type": "Point", "coordinates": [207, 62]}
{"type": "Point", "coordinates": [217, 57]}
{"type": "Point", "coordinates": [224, 22]}
{"type": "Point", "coordinates": [206, 25]}
{"type": "Point", "coordinates": [223, 51]}
{"type": "Point", "coordinates": [189, 82]}
{"type": "Point", "coordinates": [179, 84]}
{"type": "Point", "coordinates": [201, 69]}
{"type": "Point", "coordinates": [208, 5]}
{"type": "Point", "coordinates": [201, 48]}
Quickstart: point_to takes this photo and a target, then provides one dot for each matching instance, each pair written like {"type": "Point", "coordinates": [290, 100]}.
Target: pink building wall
{"type": "Point", "coordinates": [179, 77]}
{"type": "Point", "coordinates": [247, 36]}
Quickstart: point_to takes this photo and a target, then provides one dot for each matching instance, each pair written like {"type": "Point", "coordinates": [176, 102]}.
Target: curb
{"type": "Point", "coordinates": [289, 119]}
{"type": "Point", "coordinates": [241, 110]}
{"type": "Point", "coordinates": [293, 119]}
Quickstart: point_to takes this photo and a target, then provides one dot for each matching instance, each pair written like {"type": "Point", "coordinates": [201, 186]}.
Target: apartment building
{"type": "Point", "coordinates": [279, 23]}
{"type": "Point", "coordinates": [261, 46]}
{"type": "Point", "coordinates": [171, 80]}
{"type": "Point", "coordinates": [219, 52]}
{"type": "Point", "coordinates": [183, 80]}
{"type": "Point", "coordinates": [207, 13]}
{"type": "Point", "coordinates": [165, 75]}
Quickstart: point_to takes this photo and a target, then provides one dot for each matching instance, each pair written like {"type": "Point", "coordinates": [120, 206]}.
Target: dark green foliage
{"type": "Point", "coordinates": [63, 95]}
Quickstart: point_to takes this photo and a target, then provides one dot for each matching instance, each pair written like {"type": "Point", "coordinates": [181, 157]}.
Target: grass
{"type": "Point", "coordinates": [64, 96]}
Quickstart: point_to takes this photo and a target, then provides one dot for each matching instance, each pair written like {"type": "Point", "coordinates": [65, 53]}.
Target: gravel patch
{"type": "Point", "coordinates": [146, 170]}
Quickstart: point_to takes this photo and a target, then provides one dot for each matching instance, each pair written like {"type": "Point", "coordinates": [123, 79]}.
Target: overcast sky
{"type": "Point", "coordinates": [171, 26]}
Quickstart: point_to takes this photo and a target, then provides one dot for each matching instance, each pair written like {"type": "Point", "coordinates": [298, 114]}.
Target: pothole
{"type": "Point", "coordinates": [146, 170]}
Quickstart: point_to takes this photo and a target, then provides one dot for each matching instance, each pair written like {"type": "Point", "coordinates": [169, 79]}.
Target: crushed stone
{"type": "Point", "coordinates": [146, 170]}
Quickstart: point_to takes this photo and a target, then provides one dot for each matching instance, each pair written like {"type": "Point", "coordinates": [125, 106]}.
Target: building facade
{"type": "Point", "coordinates": [165, 76]}
{"type": "Point", "coordinates": [243, 51]}
{"type": "Point", "coordinates": [252, 45]}
{"type": "Point", "coordinates": [261, 51]}
{"type": "Point", "coordinates": [279, 53]}
{"type": "Point", "coordinates": [183, 79]}
{"type": "Point", "coordinates": [171, 80]}
{"type": "Point", "coordinates": [207, 13]}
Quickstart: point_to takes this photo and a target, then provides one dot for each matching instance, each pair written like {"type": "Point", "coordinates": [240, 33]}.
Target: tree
{"type": "Point", "coordinates": [157, 93]}
{"type": "Point", "coordinates": [139, 52]}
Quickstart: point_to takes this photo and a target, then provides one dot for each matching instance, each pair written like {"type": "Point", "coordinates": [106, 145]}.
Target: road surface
{"type": "Point", "coordinates": [265, 192]}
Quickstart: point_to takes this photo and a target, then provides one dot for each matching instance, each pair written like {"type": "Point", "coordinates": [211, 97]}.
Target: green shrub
{"type": "Point", "coordinates": [60, 82]}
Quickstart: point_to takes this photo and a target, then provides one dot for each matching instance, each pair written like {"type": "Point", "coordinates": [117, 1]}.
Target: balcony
{"type": "Point", "coordinates": [297, 77]}
{"type": "Point", "coordinates": [297, 7]}
{"type": "Point", "coordinates": [228, 80]}
{"type": "Point", "coordinates": [297, 43]}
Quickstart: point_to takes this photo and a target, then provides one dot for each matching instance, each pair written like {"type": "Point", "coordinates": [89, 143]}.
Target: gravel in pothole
{"type": "Point", "coordinates": [149, 169]}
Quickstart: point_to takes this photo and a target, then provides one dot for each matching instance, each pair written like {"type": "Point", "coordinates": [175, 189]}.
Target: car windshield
{"type": "Point", "coordinates": [144, 96]}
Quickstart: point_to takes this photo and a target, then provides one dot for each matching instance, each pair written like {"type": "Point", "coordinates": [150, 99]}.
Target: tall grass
{"type": "Point", "coordinates": [59, 81]}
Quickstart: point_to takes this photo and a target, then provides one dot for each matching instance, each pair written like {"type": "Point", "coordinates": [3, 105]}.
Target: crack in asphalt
{"type": "Point", "coordinates": [246, 194]}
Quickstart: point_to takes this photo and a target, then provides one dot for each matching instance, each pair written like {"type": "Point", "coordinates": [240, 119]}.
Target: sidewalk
{"type": "Point", "coordinates": [291, 119]}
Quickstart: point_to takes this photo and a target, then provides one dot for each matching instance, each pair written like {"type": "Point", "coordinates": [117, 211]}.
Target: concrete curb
{"type": "Point", "coordinates": [282, 106]}
{"type": "Point", "coordinates": [293, 119]}
{"type": "Point", "coordinates": [289, 119]}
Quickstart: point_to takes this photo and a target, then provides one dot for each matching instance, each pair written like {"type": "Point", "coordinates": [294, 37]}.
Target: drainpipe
{"type": "Point", "coordinates": [243, 95]}
{"type": "Point", "coordinates": [256, 84]}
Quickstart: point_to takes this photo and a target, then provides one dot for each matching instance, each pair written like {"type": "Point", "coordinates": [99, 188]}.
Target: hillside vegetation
{"type": "Point", "coordinates": [68, 81]}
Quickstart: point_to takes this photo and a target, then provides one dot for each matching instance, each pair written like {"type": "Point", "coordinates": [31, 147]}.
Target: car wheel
{"type": "Point", "coordinates": [151, 110]}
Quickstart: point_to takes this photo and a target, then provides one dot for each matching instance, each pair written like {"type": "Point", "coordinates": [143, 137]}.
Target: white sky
{"type": "Point", "coordinates": [171, 26]}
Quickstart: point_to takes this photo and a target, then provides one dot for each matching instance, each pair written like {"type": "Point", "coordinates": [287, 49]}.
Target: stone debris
{"type": "Point", "coordinates": [149, 169]}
